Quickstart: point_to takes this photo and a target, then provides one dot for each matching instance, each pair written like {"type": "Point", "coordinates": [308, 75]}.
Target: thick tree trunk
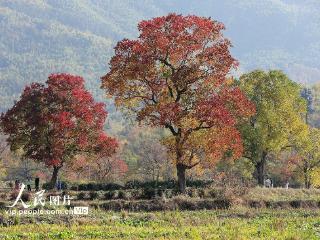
{"type": "Point", "coordinates": [181, 173]}
{"type": "Point", "coordinates": [260, 169]}
{"type": "Point", "coordinates": [54, 177]}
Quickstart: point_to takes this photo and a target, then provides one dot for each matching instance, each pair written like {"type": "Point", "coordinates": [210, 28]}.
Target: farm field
{"type": "Point", "coordinates": [235, 223]}
{"type": "Point", "coordinates": [277, 213]}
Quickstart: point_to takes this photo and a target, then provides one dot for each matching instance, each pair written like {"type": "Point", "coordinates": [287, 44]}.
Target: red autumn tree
{"type": "Point", "coordinates": [55, 123]}
{"type": "Point", "coordinates": [175, 75]}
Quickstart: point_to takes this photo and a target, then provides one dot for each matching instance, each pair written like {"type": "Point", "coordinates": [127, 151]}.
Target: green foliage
{"type": "Point", "coordinates": [242, 168]}
{"type": "Point", "coordinates": [222, 224]}
{"type": "Point", "coordinates": [279, 111]}
{"type": "Point", "coordinates": [309, 152]}
{"type": "Point", "coordinates": [279, 120]}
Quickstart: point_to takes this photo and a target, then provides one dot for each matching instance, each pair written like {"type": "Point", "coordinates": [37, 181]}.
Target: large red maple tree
{"type": "Point", "coordinates": [175, 75]}
{"type": "Point", "coordinates": [55, 123]}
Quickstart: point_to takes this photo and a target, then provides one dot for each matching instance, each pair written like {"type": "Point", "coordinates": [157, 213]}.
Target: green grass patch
{"type": "Point", "coordinates": [236, 223]}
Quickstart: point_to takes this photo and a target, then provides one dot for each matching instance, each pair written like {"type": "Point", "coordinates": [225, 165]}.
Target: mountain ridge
{"type": "Point", "coordinates": [39, 37]}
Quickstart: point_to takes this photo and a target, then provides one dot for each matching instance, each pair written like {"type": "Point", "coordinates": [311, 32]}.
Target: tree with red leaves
{"type": "Point", "coordinates": [175, 75]}
{"type": "Point", "coordinates": [55, 123]}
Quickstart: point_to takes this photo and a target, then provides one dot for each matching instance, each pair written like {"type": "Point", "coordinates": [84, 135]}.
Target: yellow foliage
{"type": "Point", "coordinates": [315, 177]}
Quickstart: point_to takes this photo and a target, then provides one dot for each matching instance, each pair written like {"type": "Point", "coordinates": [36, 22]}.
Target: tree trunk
{"type": "Point", "coordinates": [54, 177]}
{"type": "Point", "coordinates": [307, 183]}
{"type": "Point", "coordinates": [307, 180]}
{"type": "Point", "coordinates": [306, 173]}
{"type": "Point", "coordinates": [260, 169]}
{"type": "Point", "coordinates": [181, 173]}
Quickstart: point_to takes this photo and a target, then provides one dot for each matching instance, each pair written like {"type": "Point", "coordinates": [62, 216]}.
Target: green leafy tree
{"type": "Point", "coordinates": [309, 156]}
{"type": "Point", "coordinates": [279, 119]}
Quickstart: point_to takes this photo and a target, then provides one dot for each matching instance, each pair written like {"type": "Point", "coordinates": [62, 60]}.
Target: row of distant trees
{"type": "Point", "coordinates": [175, 76]}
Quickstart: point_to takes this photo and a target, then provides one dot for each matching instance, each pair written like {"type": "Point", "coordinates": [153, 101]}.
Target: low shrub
{"type": "Point", "coordinates": [97, 187]}
{"type": "Point", "coordinates": [111, 186]}
{"type": "Point", "coordinates": [93, 195]}
{"type": "Point", "coordinates": [74, 188]}
{"type": "Point", "coordinates": [107, 195]}
{"type": "Point", "coordinates": [170, 193]}
{"type": "Point", "coordinates": [215, 193]}
{"type": "Point", "coordinates": [82, 187]}
{"type": "Point", "coordinates": [161, 193]}
{"type": "Point", "coordinates": [124, 195]}
{"type": "Point", "coordinates": [179, 203]}
{"type": "Point", "coordinates": [257, 204]}
{"type": "Point", "coordinates": [135, 184]}
{"type": "Point", "coordinates": [81, 195]}
{"type": "Point", "coordinates": [149, 193]}
{"type": "Point", "coordinates": [199, 183]}
{"type": "Point", "coordinates": [111, 195]}
{"type": "Point", "coordinates": [151, 184]}
{"type": "Point", "coordinates": [192, 192]}
{"type": "Point", "coordinates": [202, 193]}
{"type": "Point", "coordinates": [136, 193]}
{"type": "Point", "coordinates": [64, 186]}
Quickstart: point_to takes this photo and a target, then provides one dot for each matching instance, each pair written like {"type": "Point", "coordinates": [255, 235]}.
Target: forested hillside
{"type": "Point", "coordinates": [212, 119]}
{"type": "Point", "coordinates": [39, 37]}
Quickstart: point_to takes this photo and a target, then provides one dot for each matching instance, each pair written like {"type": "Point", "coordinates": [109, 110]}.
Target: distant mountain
{"type": "Point", "coordinates": [38, 37]}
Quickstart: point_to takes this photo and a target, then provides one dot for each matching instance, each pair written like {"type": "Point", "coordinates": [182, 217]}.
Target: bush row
{"type": "Point", "coordinates": [159, 205]}
{"type": "Point", "coordinates": [171, 184]}
{"type": "Point", "coordinates": [64, 186]}
{"type": "Point", "coordinates": [130, 194]}
{"type": "Point", "coordinates": [284, 204]}
{"type": "Point", "coordinates": [149, 193]}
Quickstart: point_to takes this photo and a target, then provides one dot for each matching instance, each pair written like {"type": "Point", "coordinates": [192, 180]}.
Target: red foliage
{"type": "Point", "coordinates": [175, 75]}
{"type": "Point", "coordinates": [226, 140]}
{"type": "Point", "coordinates": [54, 123]}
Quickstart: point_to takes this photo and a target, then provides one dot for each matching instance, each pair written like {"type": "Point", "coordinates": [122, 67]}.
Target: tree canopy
{"type": "Point", "coordinates": [175, 75]}
{"type": "Point", "coordinates": [279, 119]}
{"type": "Point", "coordinates": [54, 123]}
